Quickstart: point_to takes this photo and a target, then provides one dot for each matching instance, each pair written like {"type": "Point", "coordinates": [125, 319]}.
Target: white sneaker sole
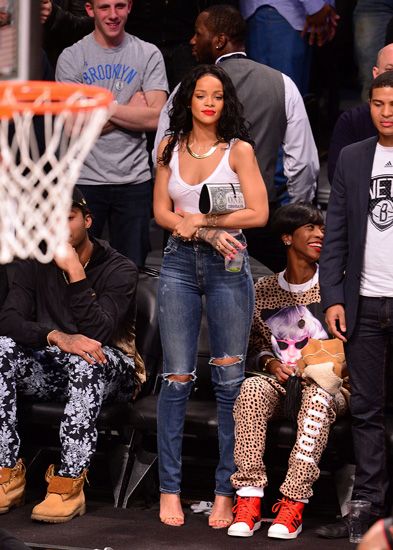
{"type": "Point", "coordinates": [286, 536]}
{"type": "Point", "coordinates": [235, 533]}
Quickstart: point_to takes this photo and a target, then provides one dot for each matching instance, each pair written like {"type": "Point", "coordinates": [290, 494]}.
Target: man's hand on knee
{"type": "Point", "coordinates": [90, 350]}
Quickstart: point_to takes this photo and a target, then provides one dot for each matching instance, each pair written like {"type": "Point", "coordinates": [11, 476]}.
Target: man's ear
{"type": "Point", "coordinates": [375, 71]}
{"type": "Point", "coordinates": [88, 221]}
{"type": "Point", "coordinates": [89, 9]}
{"type": "Point", "coordinates": [221, 41]}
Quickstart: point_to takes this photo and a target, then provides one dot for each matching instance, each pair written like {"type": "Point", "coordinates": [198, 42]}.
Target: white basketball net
{"type": "Point", "coordinates": [36, 189]}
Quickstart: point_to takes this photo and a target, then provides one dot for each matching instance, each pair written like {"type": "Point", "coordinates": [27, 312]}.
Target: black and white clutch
{"type": "Point", "coordinates": [221, 198]}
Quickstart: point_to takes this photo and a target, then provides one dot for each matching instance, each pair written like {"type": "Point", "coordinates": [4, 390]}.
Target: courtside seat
{"type": "Point", "coordinates": [116, 422]}
{"type": "Point", "coordinates": [49, 413]}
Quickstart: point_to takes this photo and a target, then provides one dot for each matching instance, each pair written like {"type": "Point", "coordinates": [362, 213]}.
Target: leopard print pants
{"type": "Point", "coordinates": [259, 401]}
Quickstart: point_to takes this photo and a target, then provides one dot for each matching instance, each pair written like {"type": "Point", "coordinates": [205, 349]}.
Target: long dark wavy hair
{"type": "Point", "coordinates": [230, 125]}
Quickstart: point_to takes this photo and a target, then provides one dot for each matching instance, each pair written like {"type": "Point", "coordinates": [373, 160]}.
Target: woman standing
{"type": "Point", "coordinates": [207, 142]}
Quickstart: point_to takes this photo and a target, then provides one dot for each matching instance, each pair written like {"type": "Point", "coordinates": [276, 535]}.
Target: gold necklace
{"type": "Point", "coordinates": [203, 155]}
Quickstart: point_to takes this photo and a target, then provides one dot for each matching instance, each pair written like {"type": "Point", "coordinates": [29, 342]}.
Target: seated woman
{"type": "Point", "coordinates": [284, 320]}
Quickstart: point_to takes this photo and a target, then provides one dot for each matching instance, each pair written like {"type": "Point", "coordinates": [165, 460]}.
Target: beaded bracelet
{"type": "Point", "coordinates": [268, 361]}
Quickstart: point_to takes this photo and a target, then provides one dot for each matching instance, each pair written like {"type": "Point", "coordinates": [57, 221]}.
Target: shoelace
{"type": "Point", "coordinates": [288, 511]}
{"type": "Point", "coordinates": [243, 508]}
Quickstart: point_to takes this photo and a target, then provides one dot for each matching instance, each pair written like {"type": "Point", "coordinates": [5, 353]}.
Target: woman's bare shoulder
{"type": "Point", "coordinates": [242, 147]}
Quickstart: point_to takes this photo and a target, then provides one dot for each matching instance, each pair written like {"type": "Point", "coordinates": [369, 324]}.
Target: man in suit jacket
{"type": "Point", "coordinates": [356, 278]}
{"type": "Point", "coordinates": [355, 124]}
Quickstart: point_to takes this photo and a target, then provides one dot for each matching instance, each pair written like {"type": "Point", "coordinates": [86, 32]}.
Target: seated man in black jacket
{"type": "Point", "coordinates": [67, 334]}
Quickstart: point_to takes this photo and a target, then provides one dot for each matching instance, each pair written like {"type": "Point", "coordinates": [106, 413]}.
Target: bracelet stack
{"type": "Point", "coordinates": [211, 220]}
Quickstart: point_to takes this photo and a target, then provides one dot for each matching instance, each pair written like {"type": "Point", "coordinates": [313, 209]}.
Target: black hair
{"type": "Point", "coordinates": [231, 123]}
{"type": "Point", "coordinates": [79, 201]}
{"type": "Point", "coordinates": [227, 20]}
{"type": "Point", "coordinates": [84, 209]}
{"type": "Point", "coordinates": [290, 217]}
{"type": "Point", "coordinates": [384, 80]}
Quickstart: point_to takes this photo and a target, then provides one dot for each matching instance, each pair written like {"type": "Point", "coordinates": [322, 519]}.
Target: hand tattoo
{"type": "Point", "coordinates": [211, 236]}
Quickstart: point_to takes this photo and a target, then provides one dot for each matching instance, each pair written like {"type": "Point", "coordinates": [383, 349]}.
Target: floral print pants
{"type": "Point", "coordinates": [51, 374]}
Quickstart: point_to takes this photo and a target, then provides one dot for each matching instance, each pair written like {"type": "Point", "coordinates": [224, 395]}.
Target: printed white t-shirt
{"type": "Point", "coordinates": [377, 273]}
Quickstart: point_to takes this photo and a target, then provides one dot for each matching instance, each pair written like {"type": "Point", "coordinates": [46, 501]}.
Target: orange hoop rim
{"type": "Point", "coordinates": [20, 96]}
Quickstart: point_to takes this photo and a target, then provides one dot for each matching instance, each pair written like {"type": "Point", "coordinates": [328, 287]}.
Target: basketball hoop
{"type": "Point", "coordinates": [36, 185]}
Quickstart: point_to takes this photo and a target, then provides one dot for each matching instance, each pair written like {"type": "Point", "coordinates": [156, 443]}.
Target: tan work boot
{"type": "Point", "coordinates": [64, 499]}
{"type": "Point", "coordinates": [12, 486]}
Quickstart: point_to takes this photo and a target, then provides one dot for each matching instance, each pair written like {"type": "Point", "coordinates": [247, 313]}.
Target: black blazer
{"type": "Point", "coordinates": [346, 224]}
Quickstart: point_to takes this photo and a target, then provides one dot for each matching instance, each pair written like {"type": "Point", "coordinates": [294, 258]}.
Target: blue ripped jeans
{"type": "Point", "coordinates": [189, 271]}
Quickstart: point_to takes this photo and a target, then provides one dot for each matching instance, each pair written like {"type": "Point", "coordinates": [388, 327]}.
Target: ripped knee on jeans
{"type": "Point", "coordinates": [226, 361]}
{"type": "Point", "coordinates": [182, 378]}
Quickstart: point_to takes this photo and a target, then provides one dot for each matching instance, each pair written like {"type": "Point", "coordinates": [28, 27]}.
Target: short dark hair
{"type": "Point", "coordinates": [384, 80]}
{"type": "Point", "coordinates": [231, 124]}
{"type": "Point", "coordinates": [228, 20]}
{"type": "Point", "coordinates": [290, 217]}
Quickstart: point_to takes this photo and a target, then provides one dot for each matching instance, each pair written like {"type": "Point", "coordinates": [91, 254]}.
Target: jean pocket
{"type": "Point", "coordinates": [171, 246]}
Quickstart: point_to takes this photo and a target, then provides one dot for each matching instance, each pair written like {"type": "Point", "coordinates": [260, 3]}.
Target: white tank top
{"type": "Point", "coordinates": [185, 196]}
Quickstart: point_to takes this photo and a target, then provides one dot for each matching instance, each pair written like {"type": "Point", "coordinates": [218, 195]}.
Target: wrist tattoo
{"type": "Point", "coordinates": [211, 220]}
{"type": "Point", "coordinates": [202, 232]}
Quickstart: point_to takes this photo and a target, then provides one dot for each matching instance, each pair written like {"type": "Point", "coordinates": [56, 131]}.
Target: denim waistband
{"type": "Point", "coordinates": [203, 245]}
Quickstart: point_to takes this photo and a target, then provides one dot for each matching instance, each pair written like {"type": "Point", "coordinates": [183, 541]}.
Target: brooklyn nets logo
{"type": "Point", "coordinates": [381, 202]}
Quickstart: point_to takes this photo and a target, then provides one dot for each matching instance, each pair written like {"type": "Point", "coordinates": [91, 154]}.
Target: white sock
{"type": "Point", "coordinates": [250, 492]}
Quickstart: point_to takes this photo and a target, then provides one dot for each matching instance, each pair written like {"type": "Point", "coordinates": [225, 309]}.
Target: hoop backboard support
{"type": "Point", "coordinates": [20, 40]}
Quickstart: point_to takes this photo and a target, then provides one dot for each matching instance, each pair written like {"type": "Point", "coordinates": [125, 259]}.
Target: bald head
{"type": "Point", "coordinates": [384, 61]}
